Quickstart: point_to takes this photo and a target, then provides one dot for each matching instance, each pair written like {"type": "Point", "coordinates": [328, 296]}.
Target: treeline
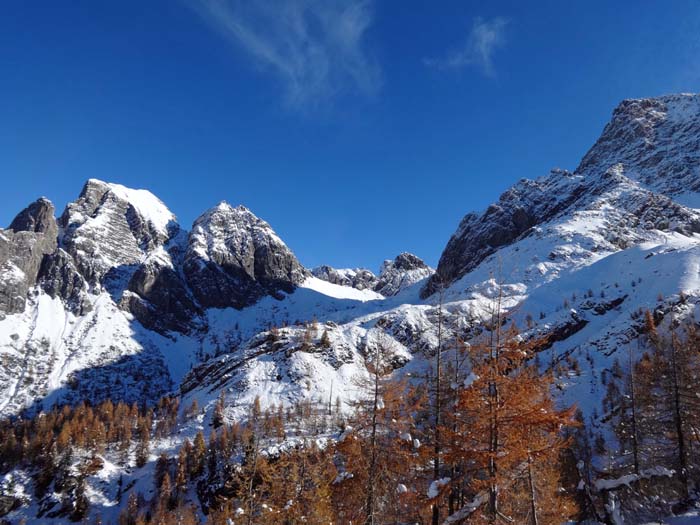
{"type": "Point", "coordinates": [62, 446]}
{"type": "Point", "coordinates": [467, 444]}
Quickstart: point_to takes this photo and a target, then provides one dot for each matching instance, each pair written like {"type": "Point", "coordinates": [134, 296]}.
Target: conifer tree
{"type": "Point", "coordinates": [325, 339]}
{"type": "Point", "coordinates": [143, 446]}
{"type": "Point", "coordinates": [199, 453]}
{"type": "Point", "coordinates": [509, 434]}
{"type": "Point", "coordinates": [668, 404]}
{"type": "Point", "coordinates": [377, 448]}
{"type": "Point", "coordinates": [219, 408]}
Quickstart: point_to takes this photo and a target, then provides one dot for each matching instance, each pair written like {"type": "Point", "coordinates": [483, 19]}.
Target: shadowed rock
{"type": "Point", "coordinates": [234, 258]}
{"type": "Point", "coordinates": [31, 235]}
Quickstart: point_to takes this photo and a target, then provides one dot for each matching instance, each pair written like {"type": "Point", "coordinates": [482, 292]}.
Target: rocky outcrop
{"type": "Point", "coordinates": [38, 217]}
{"type": "Point", "coordinates": [358, 278]}
{"type": "Point", "coordinates": [234, 258]}
{"type": "Point", "coordinates": [59, 277]}
{"type": "Point", "coordinates": [127, 242]}
{"type": "Point", "coordinates": [397, 275]}
{"type": "Point", "coordinates": [159, 298]}
{"type": "Point", "coordinates": [31, 235]}
{"type": "Point", "coordinates": [656, 140]}
{"type": "Point", "coordinates": [523, 206]}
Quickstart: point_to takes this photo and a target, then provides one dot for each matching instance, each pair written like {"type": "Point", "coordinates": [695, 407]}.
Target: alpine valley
{"type": "Point", "coordinates": [112, 300]}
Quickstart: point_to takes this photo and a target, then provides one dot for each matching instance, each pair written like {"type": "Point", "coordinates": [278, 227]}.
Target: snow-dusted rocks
{"type": "Point", "coordinates": [657, 140]}
{"type": "Point", "coordinates": [234, 258]}
{"type": "Point", "coordinates": [32, 234]}
{"type": "Point", "coordinates": [397, 275]}
{"type": "Point", "coordinates": [60, 278]}
{"type": "Point", "coordinates": [358, 278]}
{"type": "Point", "coordinates": [127, 242]}
{"type": "Point", "coordinates": [110, 229]}
{"type": "Point", "coordinates": [158, 296]}
{"type": "Point", "coordinates": [648, 154]}
{"type": "Point", "coordinates": [394, 276]}
{"type": "Point", "coordinates": [515, 214]}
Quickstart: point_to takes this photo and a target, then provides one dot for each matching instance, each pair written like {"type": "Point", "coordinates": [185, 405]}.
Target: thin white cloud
{"type": "Point", "coordinates": [316, 47]}
{"type": "Point", "coordinates": [484, 38]}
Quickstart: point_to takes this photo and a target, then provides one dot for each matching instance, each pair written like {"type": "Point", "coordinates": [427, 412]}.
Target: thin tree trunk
{"type": "Point", "coordinates": [252, 479]}
{"type": "Point", "coordinates": [678, 416]}
{"type": "Point", "coordinates": [633, 400]}
{"type": "Point", "coordinates": [454, 491]}
{"type": "Point", "coordinates": [495, 399]}
{"type": "Point", "coordinates": [533, 494]}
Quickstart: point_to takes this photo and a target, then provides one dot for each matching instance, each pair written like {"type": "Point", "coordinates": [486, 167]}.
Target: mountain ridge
{"type": "Point", "coordinates": [186, 286]}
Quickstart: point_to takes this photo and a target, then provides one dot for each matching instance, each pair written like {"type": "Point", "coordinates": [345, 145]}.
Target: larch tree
{"type": "Point", "coordinates": [298, 486]}
{"type": "Point", "coordinates": [621, 408]}
{"type": "Point", "coordinates": [377, 449]}
{"type": "Point", "coordinates": [508, 436]}
{"type": "Point", "coordinates": [669, 405]}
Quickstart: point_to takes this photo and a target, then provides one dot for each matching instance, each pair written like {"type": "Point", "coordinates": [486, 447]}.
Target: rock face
{"type": "Point", "coordinates": [656, 140]}
{"type": "Point", "coordinates": [113, 228]}
{"type": "Point", "coordinates": [158, 297]}
{"type": "Point", "coordinates": [397, 275]}
{"type": "Point", "coordinates": [127, 242]}
{"type": "Point", "coordinates": [358, 278]}
{"type": "Point", "coordinates": [650, 148]}
{"type": "Point", "coordinates": [32, 234]}
{"type": "Point", "coordinates": [519, 209]}
{"type": "Point", "coordinates": [59, 277]}
{"type": "Point", "coordinates": [38, 217]}
{"type": "Point", "coordinates": [234, 258]}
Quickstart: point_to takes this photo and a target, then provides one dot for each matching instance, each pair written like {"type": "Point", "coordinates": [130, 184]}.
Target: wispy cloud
{"type": "Point", "coordinates": [484, 38]}
{"type": "Point", "coordinates": [316, 47]}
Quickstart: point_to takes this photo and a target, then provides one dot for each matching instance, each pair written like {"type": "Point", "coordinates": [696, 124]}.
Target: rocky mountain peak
{"type": "Point", "coordinates": [398, 274]}
{"type": "Point", "coordinates": [233, 258]}
{"type": "Point", "coordinates": [404, 261]}
{"type": "Point", "coordinates": [395, 275]}
{"type": "Point", "coordinates": [38, 217]}
{"type": "Point", "coordinates": [111, 227]}
{"type": "Point", "coordinates": [656, 140]}
{"type": "Point", "coordinates": [649, 151]}
{"type": "Point", "coordinates": [142, 203]}
{"type": "Point", "coordinates": [358, 278]}
{"type": "Point", "coordinates": [32, 234]}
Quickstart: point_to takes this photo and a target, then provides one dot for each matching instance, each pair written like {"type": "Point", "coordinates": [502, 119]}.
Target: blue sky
{"type": "Point", "coordinates": [357, 128]}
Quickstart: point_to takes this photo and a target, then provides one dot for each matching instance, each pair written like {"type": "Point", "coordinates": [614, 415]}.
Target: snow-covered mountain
{"type": "Point", "coordinates": [581, 253]}
{"type": "Point", "coordinates": [116, 298]}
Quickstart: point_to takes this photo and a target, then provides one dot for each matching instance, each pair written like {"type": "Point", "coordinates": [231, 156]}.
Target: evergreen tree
{"type": "Point", "coordinates": [219, 410]}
